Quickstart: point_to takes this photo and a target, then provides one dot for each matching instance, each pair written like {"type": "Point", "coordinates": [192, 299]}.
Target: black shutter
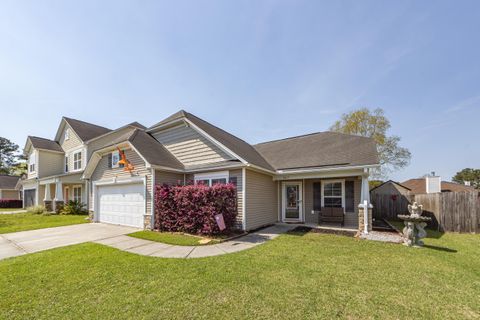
{"type": "Point", "coordinates": [349, 196]}
{"type": "Point", "coordinates": [109, 160]}
{"type": "Point", "coordinates": [233, 180]}
{"type": "Point", "coordinates": [317, 196]}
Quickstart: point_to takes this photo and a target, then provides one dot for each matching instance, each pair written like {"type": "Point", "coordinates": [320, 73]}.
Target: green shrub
{"type": "Point", "coordinates": [74, 207]}
{"type": "Point", "coordinates": [37, 210]}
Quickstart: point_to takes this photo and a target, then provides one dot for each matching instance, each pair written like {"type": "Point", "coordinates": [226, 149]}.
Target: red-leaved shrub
{"type": "Point", "coordinates": [10, 203]}
{"type": "Point", "coordinates": [192, 208]}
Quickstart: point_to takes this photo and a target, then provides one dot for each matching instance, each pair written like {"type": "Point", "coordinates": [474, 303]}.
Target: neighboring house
{"type": "Point", "coordinates": [429, 184]}
{"type": "Point", "coordinates": [7, 187]}
{"type": "Point", "coordinates": [55, 167]}
{"type": "Point", "coordinates": [418, 186]}
{"type": "Point", "coordinates": [296, 179]}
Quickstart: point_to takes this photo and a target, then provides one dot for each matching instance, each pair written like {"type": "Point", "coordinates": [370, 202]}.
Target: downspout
{"type": "Point", "coordinates": [244, 207]}
{"type": "Point", "coordinates": [152, 209]}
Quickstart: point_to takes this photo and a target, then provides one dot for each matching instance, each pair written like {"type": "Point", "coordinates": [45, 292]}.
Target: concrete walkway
{"type": "Point", "coordinates": [157, 249]}
{"type": "Point", "coordinates": [19, 243]}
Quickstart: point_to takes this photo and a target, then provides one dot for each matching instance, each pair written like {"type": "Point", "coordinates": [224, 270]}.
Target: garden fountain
{"type": "Point", "coordinates": [415, 225]}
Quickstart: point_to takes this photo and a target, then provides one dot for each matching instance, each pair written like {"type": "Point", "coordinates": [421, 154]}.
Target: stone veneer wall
{"type": "Point", "coordinates": [361, 219]}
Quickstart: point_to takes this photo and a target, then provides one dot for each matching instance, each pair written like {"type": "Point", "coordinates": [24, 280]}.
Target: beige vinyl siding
{"type": "Point", "coordinates": [103, 172]}
{"type": "Point", "coordinates": [106, 140]}
{"type": "Point", "coordinates": [238, 174]}
{"type": "Point", "coordinates": [73, 141]}
{"type": "Point", "coordinates": [171, 178]}
{"type": "Point", "coordinates": [261, 200]}
{"type": "Point", "coordinates": [10, 194]}
{"type": "Point", "coordinates": [189, 146]}
{"type": "Point", "coordinates": [50, 163]}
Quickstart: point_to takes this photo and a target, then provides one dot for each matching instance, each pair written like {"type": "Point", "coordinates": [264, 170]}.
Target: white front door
{"type": "Point", "coordinates": [121, 204]}
{"type": "Point", "coordinates": [292, 201]}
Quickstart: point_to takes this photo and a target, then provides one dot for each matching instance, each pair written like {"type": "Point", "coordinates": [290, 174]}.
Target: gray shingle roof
{"type": "Point", "coordinates": [8, 182]}
{"type": "Point", "coordinates": [321, 149]}
{"type": "Point", "coordinates": [153, 151]}
{"type": "Point", "coordinates": [85, 130]}
{"type": "Point", "coordinates": [47, 144]}
{"type": "Point", "coordinates": [235, 144]}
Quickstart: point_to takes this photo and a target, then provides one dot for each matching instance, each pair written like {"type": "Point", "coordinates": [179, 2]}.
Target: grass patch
{"type": "Point", "coordinates": [179, 239]}
{"type": "Point", "coordinates": [296, 276]}
{"type": "Point", "coordinates": [28, 221]}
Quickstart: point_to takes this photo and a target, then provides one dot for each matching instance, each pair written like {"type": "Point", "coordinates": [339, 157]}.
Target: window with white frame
{"type": "Point", "coordinates": [211, 178]}
{"type": "Point", "coordinates": [333, 194]}
{"type": "Point", "coordinates": [77, 160]}
{"type": "Point", "coordinates": [67, 134]}
{"type": "Point", "coordinates": [66, 164]}
{"type": "Point", "coordinates": [115, 158]}
{"type": "Point", "coordinates": [31, 163]}
{"type": "Point", "coordinates": [77, 193]}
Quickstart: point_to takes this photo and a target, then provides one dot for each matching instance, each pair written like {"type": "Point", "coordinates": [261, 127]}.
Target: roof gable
{"type": "Point", "coordinates": [84, 130]}
{"type": "Point", "coordinates": [8, 182]}
{"type": "Point", "coordinates": [231, 144]}
{"type": "Point", "coordinates": [42, 143]}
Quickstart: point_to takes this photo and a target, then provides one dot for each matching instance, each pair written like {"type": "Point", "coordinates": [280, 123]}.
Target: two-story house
{"type": "Point", "coordinates": [55, 167]}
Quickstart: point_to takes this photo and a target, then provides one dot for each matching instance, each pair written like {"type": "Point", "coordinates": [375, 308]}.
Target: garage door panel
{"type": "Point", "coordinates": [122, 204]}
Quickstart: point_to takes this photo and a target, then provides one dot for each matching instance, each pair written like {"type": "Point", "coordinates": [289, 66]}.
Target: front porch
{"type": "Point", "coordinates": [326, 202]}
{"type": "Point", "coordinates": [56, 191]}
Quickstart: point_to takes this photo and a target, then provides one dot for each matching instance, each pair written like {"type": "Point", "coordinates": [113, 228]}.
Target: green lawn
{"type": "Point", "coordinates": [170, 238]}
{"type": "Point", "coordinates": [296, 276]}
{"type": "Point", "coordinates": [28, 221]}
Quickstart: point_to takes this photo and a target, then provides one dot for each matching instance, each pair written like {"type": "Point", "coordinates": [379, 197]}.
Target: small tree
{"type": "Point", "coordinates": [468, 174]}
{"type": "Point", "coordinates": [7, 155]}
{"type": "Point", "coordinates": [374, 124]}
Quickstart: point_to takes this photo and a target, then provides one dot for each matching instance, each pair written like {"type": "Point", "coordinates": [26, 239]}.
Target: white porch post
{"type": "Point", "coordinates": [58, 191]}
{"type": "Point", "coordinates": [47, 197]}
{"type": "Point", "coordinates": [365, 206]}
{"type": "Point", "coordinates": [58, 201]}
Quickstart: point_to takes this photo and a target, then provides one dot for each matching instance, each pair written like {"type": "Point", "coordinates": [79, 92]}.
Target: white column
{"type": "Point", "coordinates": [58, 191]}
{"type": "Point", "coordinates": [47, 197]}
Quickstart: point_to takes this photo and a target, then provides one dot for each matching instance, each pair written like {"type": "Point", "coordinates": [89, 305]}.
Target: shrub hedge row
{"type": "Point", "coordinates": [10, 203]}
{"type": "Point", "coordinates": [192, 208]}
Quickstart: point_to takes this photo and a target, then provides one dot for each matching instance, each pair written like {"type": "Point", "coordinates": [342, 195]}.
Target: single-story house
{"type": "Point", "coordinates": [313, 178]}
{"type": "Point", "coordinates": [428, 184]}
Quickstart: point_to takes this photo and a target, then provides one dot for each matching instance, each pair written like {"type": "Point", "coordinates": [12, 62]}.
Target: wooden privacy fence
{"type": "Point", "coordinates": [450, 211]}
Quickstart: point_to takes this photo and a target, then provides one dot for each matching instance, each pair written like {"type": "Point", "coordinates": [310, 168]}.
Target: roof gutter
{"type": "Point", "coordinates": [293, 171]}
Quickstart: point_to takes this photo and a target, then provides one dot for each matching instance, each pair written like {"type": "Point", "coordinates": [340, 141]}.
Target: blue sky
{"type": "Point", "coordinates": [260, 69]}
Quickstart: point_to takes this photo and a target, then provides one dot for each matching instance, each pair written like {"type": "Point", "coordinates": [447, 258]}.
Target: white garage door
{"type": "Point", "coordinates": [121, 204]}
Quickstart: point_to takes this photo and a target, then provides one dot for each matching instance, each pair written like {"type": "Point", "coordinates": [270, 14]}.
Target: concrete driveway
{"type": "Point", "coordinates": [19, 243]}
